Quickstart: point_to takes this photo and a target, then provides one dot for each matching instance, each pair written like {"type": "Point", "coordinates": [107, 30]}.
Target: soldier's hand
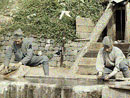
{"type": "Point", "coordinates": [6, 67]}
{"type": "Point", "coordinates": [106, 77]}
{"type": "Point", "coordinates": [20, 63]}
{"type": "Point", "coordinates": [100, 74]}
{"type": "Point", "coordinates": [5, 70]}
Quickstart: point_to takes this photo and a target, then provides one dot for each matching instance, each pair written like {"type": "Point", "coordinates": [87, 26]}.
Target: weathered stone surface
{"type": "Point", "coordinates": [87, 91]}
{"type": "Point", "coordinates": [84, 21]}
{"type": "Point", "coordinates": [87, 70]}
{"type": "Point", "coordinates": [46, 46]}
{"type": "Point", "coordinates": [22, 88]}
{"type": "Point", "coordinates": [68, 63]}
{"type": "Point", "coordinates": [7, 38]}
{"type": "Point", "coordinates": [4, 47]}
{"type": "Point", "coordinates": [84, 27]}
{"type": "Point", "coordinates": [69, 58]}
{"type": "Point", "coordinates": [41, 48]}
{"type": "Point", "coordinates": [27, 90]}
{"type": "Point", "coordinates": [1, 38]}
{"type": "Point", "coordinates": [56, 58]}
{"type": "Point", "coordinates": [73, 44]}
{"type": "Point", "coordinates": [53, 63]}
{"type": "Point", "coordinates": [71, 52]}
{"type": "Point", "coordinates": [115, 93]}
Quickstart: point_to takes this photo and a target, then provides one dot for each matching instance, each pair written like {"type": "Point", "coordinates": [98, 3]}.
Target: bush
{"type": "Point", "coordinates": [3, 4]}
{"type": "Point", "coordinates": [41, 17]}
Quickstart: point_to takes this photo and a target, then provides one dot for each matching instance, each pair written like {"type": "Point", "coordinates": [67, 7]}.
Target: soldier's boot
{"type": "Point", "coordinates": [45, 68]}
{"type": "Point", "coordinates": [124, 68]}
{"type": "Point", "coordinates": [126, 74]}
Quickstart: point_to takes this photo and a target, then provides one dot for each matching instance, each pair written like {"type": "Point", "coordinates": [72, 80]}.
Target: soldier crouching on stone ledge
{"type": "Point", "coordinates": [110, 60]}
{"type": "Point", "coordinates": [23, 50]}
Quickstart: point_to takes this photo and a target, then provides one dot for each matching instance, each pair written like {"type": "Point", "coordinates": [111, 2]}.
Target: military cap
{"type": "Point", "coordinates": [107, 40]}
{"type": "Point", "coordinates": [18, 34]}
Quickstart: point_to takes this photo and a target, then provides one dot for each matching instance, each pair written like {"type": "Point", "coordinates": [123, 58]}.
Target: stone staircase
{"type": "Point", "coordinates": [88, 61]}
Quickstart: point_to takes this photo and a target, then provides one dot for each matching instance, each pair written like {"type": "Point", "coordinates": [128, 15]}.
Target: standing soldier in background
{"type": "Point", "coordinates": [23, 50]}
{"type": "Point", "coordinates": [110, 60]}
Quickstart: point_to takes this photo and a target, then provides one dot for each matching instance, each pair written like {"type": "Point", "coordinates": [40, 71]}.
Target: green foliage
{"type": "Point", "coordinates": [42, 17]}
{"type": "Point", "coordinates": [3, 4]}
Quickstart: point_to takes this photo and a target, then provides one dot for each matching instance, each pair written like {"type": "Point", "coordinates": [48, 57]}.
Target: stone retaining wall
{"type": "Point", "coordinates": [47, 47]}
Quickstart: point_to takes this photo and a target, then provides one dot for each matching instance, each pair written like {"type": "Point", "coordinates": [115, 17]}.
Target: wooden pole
{"type": "Point", "coordinates": [111, 28]}
{"type": "Point", "coordinates": [127, 29]}
{"type": "Point", "coordinates": [101, 24]}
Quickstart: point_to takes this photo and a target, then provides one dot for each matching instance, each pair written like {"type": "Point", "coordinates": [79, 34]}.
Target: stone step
{"type": "Point", "coordinates": [91, 53]}
{"type": "Point", "coordinates": [94, 51]}
{"type": "Point", "coordinates": [95, 46]}
{"type": "Point", "coordinates": [122, 46]}
{"type": "Point", "coordinates": [87, 70]}
{"type": "Point", "coordinates": [82, 40]}
{"type": "Point", "coordinates": [87, 61]}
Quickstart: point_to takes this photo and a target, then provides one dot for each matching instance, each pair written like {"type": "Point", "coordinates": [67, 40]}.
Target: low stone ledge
{"type": "Point", "coordinates": [18, 89]}
{"type": "Point", "coordinates": [87, 91]}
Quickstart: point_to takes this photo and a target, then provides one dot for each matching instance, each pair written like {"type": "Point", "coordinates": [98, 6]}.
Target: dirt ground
{"type": "Point", "coordinates": [53, 72]}
{"type": "Point", "coordinates": [57, 72]}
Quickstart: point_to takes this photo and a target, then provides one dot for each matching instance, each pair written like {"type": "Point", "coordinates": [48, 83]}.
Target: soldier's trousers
{"type": "Point", "coordinates": [38, 60]}
{"type": "Point", "coordinates": [123, 66]}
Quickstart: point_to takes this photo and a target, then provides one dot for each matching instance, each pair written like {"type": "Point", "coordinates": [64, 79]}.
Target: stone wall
{"type": "Point", "coordinates": [22, 88]}
{"type": "Point", "coordinates": [47, 47]}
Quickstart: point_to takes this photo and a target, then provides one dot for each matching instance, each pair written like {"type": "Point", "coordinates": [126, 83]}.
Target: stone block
{"type": "Point", "coordinates": [35, 47]}
{"type": "Point", "coordinates": [52, 63]}
{"type": "Point", "coordinates": [87, 70]}
{"type": "Point", "coordinates": [84, 28]}
{"type": "Point", "coordinates": [7, 38]}
{"type": "Point", "coordinates": [84, 21]}
{"type": "Point", "coordinates": [80, 44]}
{"type": "Point", "coordinates": [71, 53]}
{"type": "Point", "coordinates": [83, 35]}
{"type": "Point", "coordinates": [87, 91]}
{"type": "Point", "coordinates": [69, 58]}
{"type": "Point", "coordinates": [47, 46]}
{"type": "Point", "coordinates": [4, 47]}
{"type": "Point", "coordinates": [56, 48]}
{"type": "Point", "coordinates": [6, 43]}
{"type": "Point", "coordinates": [115, 93]}
{"type": "Point", "coordinates": [41, 48]}
{"type": "Point", "coordinates": [51, 48]}
{"type": "Point", "coordinates": [32, 39]}
{"type": "Point", "coordinates": [9, 34]}
{"type": "Point", "coordinates": [1, 38]}
{"type": "Point", "coordinates": [68, 63]}
{"type": "Point", "coordinates": [73, 44]}
{"type": "Point", "coordinates": [56, 58]}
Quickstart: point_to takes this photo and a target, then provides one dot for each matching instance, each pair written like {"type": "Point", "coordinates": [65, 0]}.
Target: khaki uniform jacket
{"type": "Point", "coordinates": [109, 59]}
{"type": "Point", "coordinates": [24, 54]}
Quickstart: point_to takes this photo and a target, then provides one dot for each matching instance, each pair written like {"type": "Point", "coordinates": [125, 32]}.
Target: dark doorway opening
{"type": "Point", "coordinates": [104, 33]}
{"type": "Point", "coordinates": [120, 24]}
